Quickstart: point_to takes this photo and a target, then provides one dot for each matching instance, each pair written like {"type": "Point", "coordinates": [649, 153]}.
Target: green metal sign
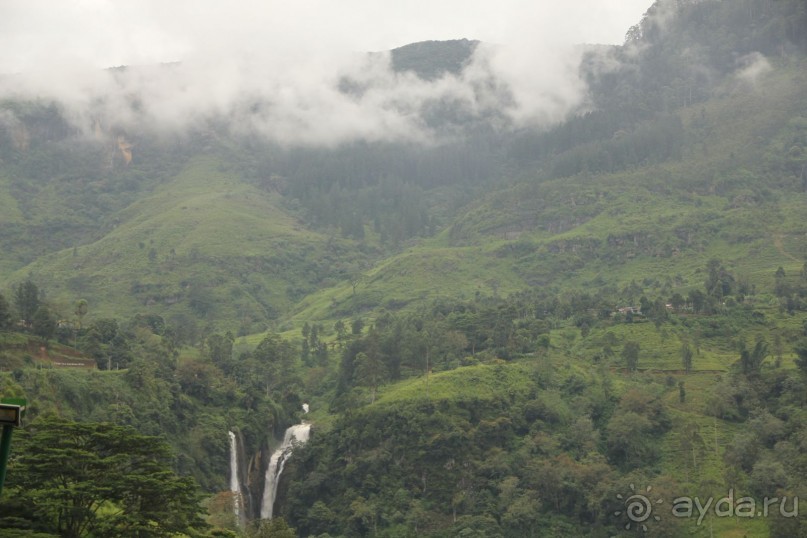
{"type": "Point", "coordinates": [11, 411]}
{"type": "Point", "coordinates": [22, 402]}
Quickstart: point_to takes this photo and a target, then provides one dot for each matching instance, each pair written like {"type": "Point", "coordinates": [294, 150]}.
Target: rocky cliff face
{"type": "Point", "coordinates": [125, 148]}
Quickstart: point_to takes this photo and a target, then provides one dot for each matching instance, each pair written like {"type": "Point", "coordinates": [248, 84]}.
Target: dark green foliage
{"type": "Point", "coordinates": [26, 300]}
{"type": "Point", "coordinates": [275, 361]}
{"type": "Point", "coordinates": [643, 198]}
{"type": "Point", "coordinates": [370, 371]}
{"type": "Point", "coordinates": [274, 528]}
{"type": "Point", "coordinates": [101, 479]}
{"type": "Point", "coordinates": [499, 467]}
{"type": "Point", "coordinates": [630, 432]}
{"type": "Point", "coordinates": [801, 354]}
{"type": "Point", "coordinates": [650, 142]}
{"type": "Point", "coordinates": [720, 282]}
{"type": "Point", "coordinates": [751, 360]}
{"type": "Point", "coordinates": [43, 323]}
{"type": "Point", "coordinates": [432, 59]}
{"type": "Point", "coordinates": [5, 314]}
{"type": "Point", "coordinates": [767, 453]}
{"type": "Point", "coordinates": [108, 344]}
{"type": "Point", "coordinates": [628, 440]}
{"type": "Point", "coordinates": [80, 310]}
{"type": "Point", "coordinates": [657, 76]}
{"type": "Point", "coordinates": [220, 351]}
{"type": "Point", "coordinates": [630, 354]}
{"type": "Point", "coordinates": [192, 403]}
{"type": "Point", "coordinates": [686, 358]}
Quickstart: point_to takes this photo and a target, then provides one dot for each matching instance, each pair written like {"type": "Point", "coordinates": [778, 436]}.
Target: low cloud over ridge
{"type": "Point", "coordinates": [302, 100]}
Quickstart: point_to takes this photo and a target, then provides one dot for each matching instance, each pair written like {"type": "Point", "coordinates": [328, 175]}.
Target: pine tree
{"type": "Point", "coordinates": [26, 300]}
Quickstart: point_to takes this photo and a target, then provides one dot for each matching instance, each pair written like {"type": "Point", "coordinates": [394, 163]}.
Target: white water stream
{"type": "Point", "coordinates": [235, 484]}
{"type": "Point", "coordinates": [296, 434]}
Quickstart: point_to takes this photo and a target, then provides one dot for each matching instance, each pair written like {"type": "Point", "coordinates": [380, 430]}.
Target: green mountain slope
{"type": "Point", "coordinates": [203, 245]}
{"type": "Point", "coordinates": [733, 195]}
{"type": "Point", "coordinates": [507, 335]}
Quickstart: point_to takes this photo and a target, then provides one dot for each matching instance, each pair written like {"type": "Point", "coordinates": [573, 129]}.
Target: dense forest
{"type": "Point", "coordinates": [507, 331]}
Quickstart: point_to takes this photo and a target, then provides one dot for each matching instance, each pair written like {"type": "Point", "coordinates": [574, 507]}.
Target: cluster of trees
{"type": "Point", "coordinates": [29, 312]}
{"type": "Point", "coordinates": [550, 458]}
{"type": "Point", "coordinates": [614, 435]}
{"type": "Point", "coordinates": [649, 142]}
{"type": "Point", "coordinates": [190, 400]}
{"type": "Point", "coordinates": [448, 334]}
{"type": "Point", "coordinates": [553, 458]}
{"type": "Point", "coordinates": [792, 293]}
{"type": "Point", "coordinates": [74, 479]}
{"type": "Point", "coordinates": [394, 210]}
{"type": "Point", "coordinates": [767, 456]}
{"type": "Point", "coordinates": [676, 55]}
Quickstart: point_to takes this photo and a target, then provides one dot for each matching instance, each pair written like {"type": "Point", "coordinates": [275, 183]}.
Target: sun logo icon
{"type": "Point", "coordinates": [638, 508]}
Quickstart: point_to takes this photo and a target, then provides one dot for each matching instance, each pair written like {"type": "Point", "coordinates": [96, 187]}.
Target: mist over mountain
{"type": "Point", "coordinates": [316, 100]}
{"type": "Point", "coordinates": [399, 141]}
{"type": "Point", "coordinates": [502, 289]}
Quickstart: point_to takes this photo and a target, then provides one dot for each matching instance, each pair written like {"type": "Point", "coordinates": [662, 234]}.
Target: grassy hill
{"type": "Point", "coordinates": [659, 223]}
{"type": "Point", "coordinates": [203, 245]}
{"type": "Point", "coordinates": [480, 382]}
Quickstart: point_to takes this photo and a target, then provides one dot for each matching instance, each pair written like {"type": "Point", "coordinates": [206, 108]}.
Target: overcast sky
{"type": "Point", "coordinates": [292, 57]}
{"type": "Point", "coordinates": [101, 33]}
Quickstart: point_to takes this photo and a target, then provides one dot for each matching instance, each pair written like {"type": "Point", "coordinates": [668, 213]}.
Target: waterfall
{"type": "Point", "coordinates": [297, 433]}
{"type": "Point", "coordinates": [235, 484]}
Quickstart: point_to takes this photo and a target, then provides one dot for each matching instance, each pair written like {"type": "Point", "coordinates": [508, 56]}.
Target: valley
{"type": "Point", "coordinates": [489, 329]}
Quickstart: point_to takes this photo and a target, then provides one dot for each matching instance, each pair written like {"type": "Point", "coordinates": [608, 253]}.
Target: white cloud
{"type": "Point", "coordinates": [40, 33]}
{"type": "Point", "coordinates": [752, 67]}
{"type": "Point", "coordinates": [274, 67]}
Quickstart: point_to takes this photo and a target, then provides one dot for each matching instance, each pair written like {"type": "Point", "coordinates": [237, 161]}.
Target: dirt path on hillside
{"type": "Point", "coordinates": [777, 242]}
{"type": "Point", "coordinates": [624, 370]}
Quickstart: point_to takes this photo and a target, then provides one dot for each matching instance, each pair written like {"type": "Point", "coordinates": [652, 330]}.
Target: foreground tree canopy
{"type": "Point", "coordinates": [98, 479]}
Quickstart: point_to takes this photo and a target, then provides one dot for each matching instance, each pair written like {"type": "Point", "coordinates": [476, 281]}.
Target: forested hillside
{"type": "Point", "coordinates": [499, 329]}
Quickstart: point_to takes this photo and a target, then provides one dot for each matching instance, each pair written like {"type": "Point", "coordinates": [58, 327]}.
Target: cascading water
{"type": "Point", "coordinates": [235, 483]}
{"type": "Point", "coordinates": [296, 434]}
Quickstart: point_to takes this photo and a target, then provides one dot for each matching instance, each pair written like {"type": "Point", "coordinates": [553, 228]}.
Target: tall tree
{"type": "Point", "coordinates": [630, 353]}
{"type": "Point", "coordinates": [5, 314]}
{"type": "Point", "coordinates": [370, 371]}
{"type": "Point", "coordinates": [43, 323]}
{"type": "Point", "coordinates": [101, 480]}
{"type": "Point", "coordinates": [275, 359]}
{"type": "Point", "coordinates": [686, 357]}
{"type": "Point", "coordinates": [719, 282]}
{"type": "Point", "coordinates": [80, 310]}
{"type": "Point", "coordinates": [26, 300]}
{"type": "Point", "coordinates": [220, 350]}
{"type": "Point", "coordinates": [341, 332]}
{"type": "Point", "coordinates": [751, 360]}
